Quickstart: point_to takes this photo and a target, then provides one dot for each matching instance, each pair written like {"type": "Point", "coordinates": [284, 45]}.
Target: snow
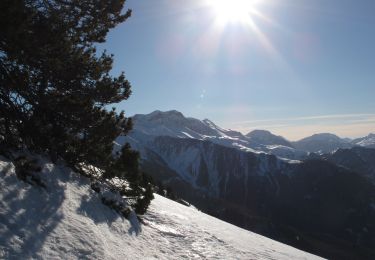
{"type": "Point", "coordinates": [368, 141]}
{"type": "Point", "coordinates": [286, 153]}
{"type": "Point", "coordinates": [188, 135]}
{"type": "Point", "coordinates": [68, 221]}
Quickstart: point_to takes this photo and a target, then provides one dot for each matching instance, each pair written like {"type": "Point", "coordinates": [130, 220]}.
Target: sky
{"type": "Point", "coordinates": [294, 67]}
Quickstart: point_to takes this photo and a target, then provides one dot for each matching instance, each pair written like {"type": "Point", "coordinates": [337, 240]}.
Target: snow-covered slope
{"type": "Point", "coordinates": [367, 141]}
{"type": "Point", "coordinates": [68, 221]}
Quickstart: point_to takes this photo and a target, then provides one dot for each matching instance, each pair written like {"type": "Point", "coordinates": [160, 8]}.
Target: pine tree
{"type": "Point", "coordinates": [54, 86]}
{"type": "Point", "coordinates": [144, 201]}
{"type": "Point", "coordinates": [126, 166]}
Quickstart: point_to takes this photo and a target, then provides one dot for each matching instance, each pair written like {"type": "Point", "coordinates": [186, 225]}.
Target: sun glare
{"type": "Point", "coordinates": [233, 11]}
{"type": "Point", "coordinates": [231, 14]}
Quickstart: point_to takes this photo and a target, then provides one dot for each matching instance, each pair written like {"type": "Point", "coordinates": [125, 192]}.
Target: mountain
{"type": "Point", "coordinates": [276, 145]}
{"type": "Point", "coordinates": [368, 141]}
{"type": "Point", "coordinates": [267, 138]}
{"type": "Point", "coordinates": [200, 168]}
{"type": "Point", "coordinates": [358, 159]}
{"type": "Point", "coordinates": [238, 180]}
{"type": "Point", "coordinates": [322, 143]}
{"type": "Point", "coordinates": [67, 220]}
{"type": "Point", "coordinates": [175, 124]}
{"type": "Point", "coordinates": [331, 205]}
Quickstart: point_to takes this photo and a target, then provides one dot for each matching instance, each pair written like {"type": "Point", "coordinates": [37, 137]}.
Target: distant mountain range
{"type": "Point", "coordinates": [175, 124]}
{"type": "Point", "coordinates": [320, 188]}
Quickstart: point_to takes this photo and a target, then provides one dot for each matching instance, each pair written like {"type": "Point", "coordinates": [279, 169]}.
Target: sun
{"type": "Point", "coordinates": [233, 11]}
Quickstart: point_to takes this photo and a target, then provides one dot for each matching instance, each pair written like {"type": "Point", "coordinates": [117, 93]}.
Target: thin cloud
{"type": "Point", "coordinates": [342, 130]}
{"type": "Point", "coordinates": [345, 125]}
{"type": "Point", "coordinates": [317, 117]}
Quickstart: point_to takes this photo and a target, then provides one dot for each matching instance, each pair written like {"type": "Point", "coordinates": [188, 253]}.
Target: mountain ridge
{"type": "Point", "coordinates": [177, 125]}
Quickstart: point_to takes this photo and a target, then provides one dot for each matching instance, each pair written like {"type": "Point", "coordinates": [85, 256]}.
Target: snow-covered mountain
{"type": "Point", "coordinates": [175, 124]}
{"type": "Point", "coordinates": [367, 141]}
{"type": "Point", "coordinates": [200, 156]}
{"type": "Point", "coordinates": [66, 220]}
{"type": "Point", "coordinates": [276, 145]}
{"type": "Point", "coordinates": [202, 159]}
{"type": "Point", "coordinates": [322, 143]}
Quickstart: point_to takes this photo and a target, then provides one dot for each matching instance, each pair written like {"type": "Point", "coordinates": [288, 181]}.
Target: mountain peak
{"type": "Point", "coordinates": [367, 141]}
{"type": "Point", "coordinates": [259, 132]}
{"type": "Point", "coordinates": [326, 137]}
{"type": "Point", "coordinates": [166, 114]}
{"type": "Point", "coordinates": [173, 123]}
{"type": "Point", "coordinates": [322, 143]}
{"type": "Point", "coordinates": [267, 138]}
{"type": "Point", "coordinates": [161, 117]}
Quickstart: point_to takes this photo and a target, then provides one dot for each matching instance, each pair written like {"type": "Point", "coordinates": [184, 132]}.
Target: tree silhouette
{"type": "Point", "coordinates": [55, 86]}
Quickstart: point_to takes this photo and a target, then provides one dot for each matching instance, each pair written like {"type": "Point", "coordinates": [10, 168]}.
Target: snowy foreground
{"type": "Point", "coordinates": [68, 221]}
